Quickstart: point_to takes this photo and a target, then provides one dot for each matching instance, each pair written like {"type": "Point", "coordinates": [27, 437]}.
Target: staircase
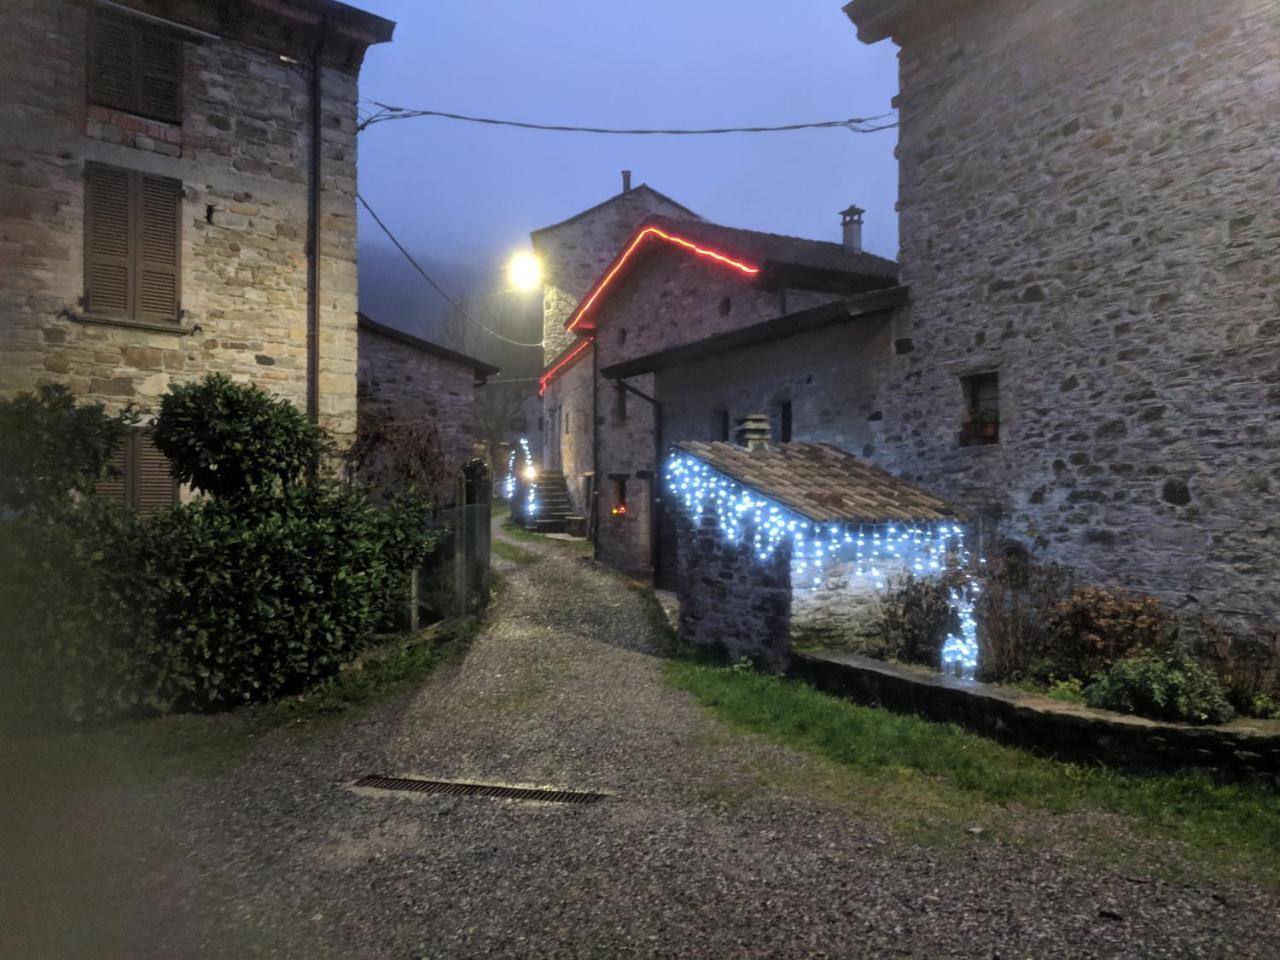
{"type": "Point", "coordinates": [554, 508]}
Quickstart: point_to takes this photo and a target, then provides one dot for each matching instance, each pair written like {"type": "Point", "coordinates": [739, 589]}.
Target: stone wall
{"type": "Point", "coordinates": [1088, 207]}
{"type": "Point", "coordinates": [576, 252]}
{"type": "Point", "coordinates": [571, 452]}
{"type": "Point", "coordinates": [731, 604]}
{"type": "Point", "coordinates": [401, 381]}
{"type": "Point", "coordinates": [241, 153]}
{"type": "Point", "coordinates": [842, 613]}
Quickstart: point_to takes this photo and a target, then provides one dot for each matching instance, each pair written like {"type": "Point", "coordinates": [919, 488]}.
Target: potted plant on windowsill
{"type": "Point", "coordinates": [982, 427]}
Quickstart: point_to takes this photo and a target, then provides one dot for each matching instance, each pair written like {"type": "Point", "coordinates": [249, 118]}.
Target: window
{"type": "Point", "coordinates": [620, 403]}
{"type": "Point", "coordinates": [982, 410]}
{"type": "Point", "coordinates": [132, 242]}
{"type": "Point", "coordinates": [784, 422]}
{"type": "Point", "coordinates": [134, 68]}
{"type": "Point", "coordinates": [143, 481]}
{"type": "Point", "coordinates": [619, 508]}
{"type": "Point", "coordinates": [566, 414]}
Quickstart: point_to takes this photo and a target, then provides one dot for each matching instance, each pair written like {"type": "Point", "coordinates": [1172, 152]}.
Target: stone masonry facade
{"type": "Point", "coordinates": [400, 381]}
{"type": "Point", "coordinates": [241, 153]}
{"type": "Point", "coordinates": [731, 604]}
{"type": "Point", "coordinates": [1089, 209]}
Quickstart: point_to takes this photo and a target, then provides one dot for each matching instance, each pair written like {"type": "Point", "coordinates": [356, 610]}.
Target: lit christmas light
{"type": "Point", "coordinates": [872, 553]}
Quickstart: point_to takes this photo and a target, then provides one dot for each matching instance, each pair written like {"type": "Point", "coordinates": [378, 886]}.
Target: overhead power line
{"type": "Point", "coordinates": [387, 112]}
{"type": "Point", "coordinates": [435, 286]}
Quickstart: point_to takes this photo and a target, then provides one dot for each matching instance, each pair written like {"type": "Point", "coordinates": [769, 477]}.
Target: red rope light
{"type": "Point", "coordinates": [550, 374]}
{"type": "Point", "coordinates": [643, 235]}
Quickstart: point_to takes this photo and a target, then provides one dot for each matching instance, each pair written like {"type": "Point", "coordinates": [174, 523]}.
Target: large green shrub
{"type": "Point", "coordinates": [226, 438]}
{"type": "Point", "coordinates": [50, 447]}
{"type": "Point", "coordinates": [263, 587]}
{"type": "Point", "coordinates": [1163, 685]}
{"type": "Point", "coordinates": [244, 598]}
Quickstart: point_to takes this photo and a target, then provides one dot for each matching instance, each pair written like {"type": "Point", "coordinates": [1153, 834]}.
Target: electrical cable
{"type": "Point", "coordinates": [853, 124]}
{"type": "Point", "coordinates": [435, 286]}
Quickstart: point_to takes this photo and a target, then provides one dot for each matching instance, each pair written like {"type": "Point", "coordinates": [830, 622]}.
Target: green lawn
{"type": "Point", "coordinates": [937, 782]}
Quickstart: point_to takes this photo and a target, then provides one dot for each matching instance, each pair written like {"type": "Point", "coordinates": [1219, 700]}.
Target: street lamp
{"type": "Point", "coordinates": [525, 271]}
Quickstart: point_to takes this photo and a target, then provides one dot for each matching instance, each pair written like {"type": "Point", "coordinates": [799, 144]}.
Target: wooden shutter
{"type": "Point", "coordinates": [135, 68]}
{"type": "Point", "coordinates": [116, 487]}
{"type": "Point", "coordinates": [160, 76]}
{"type": "Point", "coordinates": [153, 484]}
{"type": "Point", "coordinates": [159, 212]}
{"type": "Point", "coordinates": [108, 256]}
{"type": "Point", "coordinates": [113, 62]}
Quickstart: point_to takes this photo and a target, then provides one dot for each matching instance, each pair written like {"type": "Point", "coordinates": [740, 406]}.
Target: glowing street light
{"type": "Point", "coordinates": [525, 271]}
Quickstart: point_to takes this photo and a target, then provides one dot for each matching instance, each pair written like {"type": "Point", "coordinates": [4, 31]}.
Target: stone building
{"type": "Point", "coordinates": [405, 378]}
{"type": "Point", "coordinates": [1090, 356]}
{"type": "Point", "coordinates": [782, 541]}
{"type": "Point", "coordinates": [692, 326]}
{"type": "Point", "coordinates": [573, 254]}
{"type": "Point", "coordinates": [179, 197]}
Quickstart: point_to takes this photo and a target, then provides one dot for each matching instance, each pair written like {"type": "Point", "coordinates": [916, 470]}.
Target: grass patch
{"type": "Point", "coordinates": [577, 548]}
{"type": "Point", "coordinates": [931, 778]}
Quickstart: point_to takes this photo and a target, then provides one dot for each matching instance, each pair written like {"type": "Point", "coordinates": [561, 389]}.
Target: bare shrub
{"type": "Point", "coordinates": [1096, 627]}
{"type": "Point", "coordinates": [917, 616]}
{"type": "Point", "coordinates": [1013, 612]}
{"type": "Point", "coordinates": [1247, 667]}
{"type": "Point", "coordinates": [400, 457]}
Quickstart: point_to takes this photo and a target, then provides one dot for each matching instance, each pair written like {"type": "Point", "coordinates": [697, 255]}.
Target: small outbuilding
{"type": "Point", "coordinates": [777, 541]}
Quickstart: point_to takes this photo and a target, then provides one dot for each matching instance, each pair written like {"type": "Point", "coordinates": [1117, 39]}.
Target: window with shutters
{"type": "Point", "coordinates": [142, 479]}
{"type": "Point", "coordinates": [132, 244]}
{"type": "Point", "coordinates": [134, 67]}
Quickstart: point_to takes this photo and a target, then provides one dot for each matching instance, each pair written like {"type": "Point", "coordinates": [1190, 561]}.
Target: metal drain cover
{"type": "Point", "coordinates": [455, 789]}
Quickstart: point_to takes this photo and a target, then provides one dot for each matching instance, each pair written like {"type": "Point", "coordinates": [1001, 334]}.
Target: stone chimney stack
{"type": "Point", "coordinates": [626, 181]}
{"type": "Point", "coordinates": [755, 432]}
{"type": "Point", "coordinates": [851, 221]}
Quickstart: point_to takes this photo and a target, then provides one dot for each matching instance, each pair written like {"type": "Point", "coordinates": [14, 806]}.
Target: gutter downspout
{"type": "Point", "coordinates": [313, 232]}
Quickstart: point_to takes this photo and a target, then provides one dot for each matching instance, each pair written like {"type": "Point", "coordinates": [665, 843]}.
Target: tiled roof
{"type": "Point", "coordinates": [481, 369]}
{"type": "Point", "coordinates": [822, 482]}
{"type": "Point", "coordinates": [779, 250]}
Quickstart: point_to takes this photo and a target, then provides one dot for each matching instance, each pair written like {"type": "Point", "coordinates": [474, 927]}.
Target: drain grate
{"type": "Point", "coordinates": [453, 789]}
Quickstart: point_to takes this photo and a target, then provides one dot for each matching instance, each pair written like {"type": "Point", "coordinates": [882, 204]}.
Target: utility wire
{"type": "Point", "coordinates": [853, 124]}
{"type": "Point", "coordinates": [435, 286]}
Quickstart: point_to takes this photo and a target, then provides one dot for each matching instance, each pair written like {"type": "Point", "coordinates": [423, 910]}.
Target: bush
{"type": "Point", "coordinates": [50, 447]}
{"type": "Point", "coordinates": [916, 618]}
{"type": "Point", "coordinates": [227, 438]}
{"type": "Point", "coordinates": [1163, 685]}
{"type": "Point", "coordinates": [1248, 667]}
{"type": "Point", "coordinates": [1096, 628]}
{"type": "Point", "coordinates": [247, 598]}
{"type": "Point", "coordinates": [261, 589]}
{"type": "Point", "coordinates": [1013, 610]}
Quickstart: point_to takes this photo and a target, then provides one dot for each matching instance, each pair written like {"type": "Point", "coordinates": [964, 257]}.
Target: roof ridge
{"type": "Point", "coordinates": [618, 196]}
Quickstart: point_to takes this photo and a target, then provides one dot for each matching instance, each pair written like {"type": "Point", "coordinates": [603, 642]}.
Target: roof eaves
{"type": "Point", "coordinates": [481, 369]}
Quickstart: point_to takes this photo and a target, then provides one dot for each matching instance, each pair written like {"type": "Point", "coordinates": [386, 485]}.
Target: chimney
{"type": "Point", "coordinates": [851, 221]}
{"type": "Point", "coordinates": [755, 433]}
{"type": "Point", "coordinates": [626, 181]}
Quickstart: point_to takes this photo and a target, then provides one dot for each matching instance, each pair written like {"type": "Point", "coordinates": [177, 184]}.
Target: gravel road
{"type": "Point", "coordinates": [280, 858]}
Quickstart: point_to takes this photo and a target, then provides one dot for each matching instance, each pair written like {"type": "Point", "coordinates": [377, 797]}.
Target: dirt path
{"type": "Point", "coordinates": [279, 859]}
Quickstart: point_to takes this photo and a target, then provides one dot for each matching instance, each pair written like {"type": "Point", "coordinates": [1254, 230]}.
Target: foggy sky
{"type": "Point", "coordinates": [469, 195]}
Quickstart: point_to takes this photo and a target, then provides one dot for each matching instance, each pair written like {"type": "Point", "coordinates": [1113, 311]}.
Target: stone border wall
{"type": "Point", "coordinates": [1245, 749]}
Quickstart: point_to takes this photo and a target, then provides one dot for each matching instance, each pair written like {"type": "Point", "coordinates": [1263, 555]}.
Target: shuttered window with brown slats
{"type": "Point", "coordinates": [134, 67]}
{"type": "Point", "coordinates": [132, 244]}
{"type": "Point", "coordinates": [142, 480]}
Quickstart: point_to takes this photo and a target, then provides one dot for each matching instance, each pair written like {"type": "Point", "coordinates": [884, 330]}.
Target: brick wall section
{"type": "Point", "coordinates": [241, 153]}
{"type": "Point", "coordinates": [575, 253]}
{"type": "Point", "coordinates": [398, 380]}
{"type": "Point", "coordinates": [731, 604]}
{"type": "Point", "coordinates": [1088, 206]}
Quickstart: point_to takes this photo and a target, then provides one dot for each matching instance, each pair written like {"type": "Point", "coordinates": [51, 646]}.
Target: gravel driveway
{"type": "Point", "coordinates": [281, 859]}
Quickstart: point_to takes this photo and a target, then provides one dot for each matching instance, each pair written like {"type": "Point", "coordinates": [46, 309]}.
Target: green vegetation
{"type": "Point", "coordinates": [1168, 685]}
{"type": "Point", "coordinates": [263, 588]}
{"type": "Point", "coordinates": [512, 553]}
{"type": "Point", "coordinates": [936, 781]}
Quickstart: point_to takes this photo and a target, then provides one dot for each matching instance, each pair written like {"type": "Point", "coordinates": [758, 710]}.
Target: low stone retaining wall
{"type": "Point", "coordinates": [1244, 749]}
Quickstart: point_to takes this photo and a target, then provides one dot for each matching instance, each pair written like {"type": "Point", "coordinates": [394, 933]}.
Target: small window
{"type": "Point", "coordinates": [721, 425]}
{"type": "Point", "coordinates": [622, 335]}
{"type": "Point", "coordinates": [619, 508]}
{"type": "Point", "coordinates": [726, 306]}
{"type": "Point", "coordinates": [142, 481]}
{"type": "Point", "coordinates": [132, 240]}
{"type": "Point", "coordinates": [620, 403]}
{"type": "Point", "coordinates": [982, 410]}
{"type": "Point", "coordinates": [784, 422]}
{"type": "Point", "coordinates": [134, 68]}
{"type": "Point", "coordinates": [566, 415]}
